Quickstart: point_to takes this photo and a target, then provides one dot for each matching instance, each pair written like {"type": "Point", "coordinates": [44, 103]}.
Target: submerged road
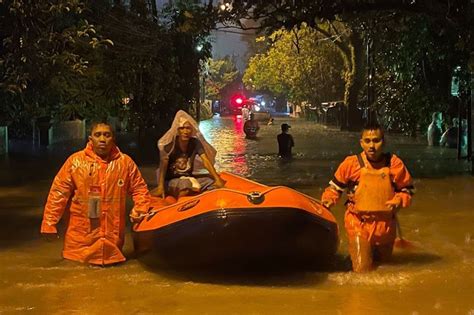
{"type": "Point", "coordinates": [435, 278]}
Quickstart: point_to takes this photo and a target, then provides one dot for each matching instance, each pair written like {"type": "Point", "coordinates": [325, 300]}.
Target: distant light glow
{"type": "Point", "coordinates": [239, 100]}
{"type": "Point", "coordinates": [257, 108]}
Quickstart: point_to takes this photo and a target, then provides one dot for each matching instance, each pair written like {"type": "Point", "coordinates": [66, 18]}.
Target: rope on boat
{"type": "Point", "coordinates": [250, 196]}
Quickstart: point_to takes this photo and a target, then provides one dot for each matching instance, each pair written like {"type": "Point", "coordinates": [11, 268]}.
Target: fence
{"type": "Point", "coordinates": [3, 140]}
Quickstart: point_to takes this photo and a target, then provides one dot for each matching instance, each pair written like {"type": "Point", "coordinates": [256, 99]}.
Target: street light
{"type": "Point", "coordinates": [225, 6]}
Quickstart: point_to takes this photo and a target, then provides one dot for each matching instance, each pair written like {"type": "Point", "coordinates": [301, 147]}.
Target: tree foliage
{"type": "Point", "coordinates": [300, 64]}
{"type": "Point", "coordinates": [415, 69]}
{"type": "Point", "coordinates": [69, 58]}
{"type": "Point", "coordinates": [418, 44]}
{"type": "Point", "coordinates": [44, 58]}
{"type": "Point", "coordinates": [221, 73]}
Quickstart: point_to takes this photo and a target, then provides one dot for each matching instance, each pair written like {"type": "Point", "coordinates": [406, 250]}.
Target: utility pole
{"type": "Point", "coordinates": [470, 113]}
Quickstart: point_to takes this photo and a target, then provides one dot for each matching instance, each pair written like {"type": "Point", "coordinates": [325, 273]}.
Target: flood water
{"type": "Point", "coordinates": [437, 277]}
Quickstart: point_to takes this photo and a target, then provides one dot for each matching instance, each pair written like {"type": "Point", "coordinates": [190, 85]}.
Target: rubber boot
{"type": "Point", "coordinates": [361, 254]}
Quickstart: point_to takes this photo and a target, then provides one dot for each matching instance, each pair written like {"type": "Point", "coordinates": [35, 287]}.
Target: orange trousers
{"type": "Point", "coordinates": [371, 237]}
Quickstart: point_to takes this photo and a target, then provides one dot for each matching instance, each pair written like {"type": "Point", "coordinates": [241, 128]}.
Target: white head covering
{"type": "Point", "coordinates": [169, 137]}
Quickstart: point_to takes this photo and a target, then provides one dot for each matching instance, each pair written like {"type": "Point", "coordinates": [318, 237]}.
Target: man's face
{"type": "Point", "coordinates": [185, 131]}
{"type": "Point", "coordinates": [102, 139]}
{"type": "Point", "coordinates": [372, 143]}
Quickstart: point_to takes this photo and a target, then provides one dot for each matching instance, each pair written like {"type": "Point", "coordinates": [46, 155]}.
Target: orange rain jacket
{"type": "Point", "coordinates": [100, 240]}
{"type": "Point", "coordinates": [378, 227]}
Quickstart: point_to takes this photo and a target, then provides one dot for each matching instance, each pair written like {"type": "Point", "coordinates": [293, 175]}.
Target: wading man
{"type": "Point", "coordinates": [285, 142]}
{"type": "Point", "coordinates": [92, 185]}
{"type": "Point", "coordinates": [377, 185]}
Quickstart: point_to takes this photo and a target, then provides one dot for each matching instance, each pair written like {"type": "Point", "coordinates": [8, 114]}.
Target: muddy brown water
{"type": "Point", "coordinates": [435, 278]}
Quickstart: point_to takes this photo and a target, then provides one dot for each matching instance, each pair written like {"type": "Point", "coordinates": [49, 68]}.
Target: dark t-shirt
{"type": "Point", "coordinates": [181, 163]}
{"type": "Point", "coordinates": [450, 137]}
{"type": "Point", "coordinates": [285, 143]}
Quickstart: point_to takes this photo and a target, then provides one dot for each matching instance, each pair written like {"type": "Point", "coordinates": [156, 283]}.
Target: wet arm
{"type": "Point", "coordinates": [338, 184]}
{"type": "Point", "coordinates": [58, 197]}
{"type": "Point", "coordinates": [162, 174]}
{"type": "Point", "coordinates": [208, 165]}
{"type": "Point", "coordinates": [331, 194]}
{"type": "Point", "coordinates": [403, 181]}
{"type": "Point", "coordinates": [444, 139]}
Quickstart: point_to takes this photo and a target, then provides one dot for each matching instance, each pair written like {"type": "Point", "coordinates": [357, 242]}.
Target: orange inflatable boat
{"type": "Point", "coordinates": [243, 223]}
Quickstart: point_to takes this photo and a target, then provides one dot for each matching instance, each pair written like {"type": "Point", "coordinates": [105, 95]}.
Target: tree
{"type": "Point", "coordinates": [415, 69]}
{"type": "Point", "coordinates": [54, 62]}
{"type": "Point", "coordinates": [43, 58]}
{"type": "Point", "coordinates": [222, 72]}
{"type": "Point", "coordinates": [358, 16]}
{"type": "Point", "coordinates": [300, 64]}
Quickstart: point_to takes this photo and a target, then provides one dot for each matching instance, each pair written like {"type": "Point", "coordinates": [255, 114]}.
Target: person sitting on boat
{"type": "Point", "coordinates": [181, 149]}
{"type": "Point", "coordinates": [251, 127]}
{"type": "Point", "coordinates": [377, 185]}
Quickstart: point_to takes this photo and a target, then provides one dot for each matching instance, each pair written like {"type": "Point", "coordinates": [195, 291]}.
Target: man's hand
{"type": "Point", "coordinates": [136, 217]}
{"type": "Point", "coordinates": [219, 183]}
{"type": "Point", "coordinates": [394, 204]}
{"type": "Point", "coordinates": [327, 203]}
{"type": "Point", "coordinates": [158, 192]}
{"type": "Point", "coordinates": [50, 237]}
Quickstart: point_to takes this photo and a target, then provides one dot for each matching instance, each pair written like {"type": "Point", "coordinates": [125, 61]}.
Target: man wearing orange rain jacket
{"type": "Point", "coordinates": [377, 185]}
{"type": "Point", "coordinates": [93, 184]}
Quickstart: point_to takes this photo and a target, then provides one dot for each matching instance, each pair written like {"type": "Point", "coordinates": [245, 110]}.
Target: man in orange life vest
{"type": "Point", "coordinates": [92, 185]}
{"type": "Point", "coordinates": [377, 185]}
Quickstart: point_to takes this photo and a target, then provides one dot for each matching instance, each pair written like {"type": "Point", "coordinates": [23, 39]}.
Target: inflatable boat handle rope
{"type": "Point", "coordinates": [248, 195]}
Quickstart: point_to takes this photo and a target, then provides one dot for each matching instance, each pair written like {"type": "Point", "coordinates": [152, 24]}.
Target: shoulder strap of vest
{"type": "Point", "coordinates": [388, 160]}
{"type": "Point", "coordinates": [361, 161]}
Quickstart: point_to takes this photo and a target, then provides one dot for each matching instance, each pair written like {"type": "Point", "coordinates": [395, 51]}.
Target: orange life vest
{"type": "Point", "coordinates": [375, 188]}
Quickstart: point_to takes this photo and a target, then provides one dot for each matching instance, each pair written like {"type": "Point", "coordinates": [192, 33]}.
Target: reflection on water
{"type": "Point", "coordinates": [435, 278]}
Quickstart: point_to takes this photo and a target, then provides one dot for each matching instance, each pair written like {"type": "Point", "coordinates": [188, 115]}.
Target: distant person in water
{"type": "Point", "coordinates": [435, 129]}
{"type": "Point", "coordinates": [179, 148]}
{"type": "Point", "coordinates": [245, 113]}
{"type": "Point", "coordinates": [285, 142]}
{"type": "Point", "coordinates": [270, 121]}
{"type": "Point", "coordinates": [251, 127]}
{"type": "Point", "coordinates": [450, 136]}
